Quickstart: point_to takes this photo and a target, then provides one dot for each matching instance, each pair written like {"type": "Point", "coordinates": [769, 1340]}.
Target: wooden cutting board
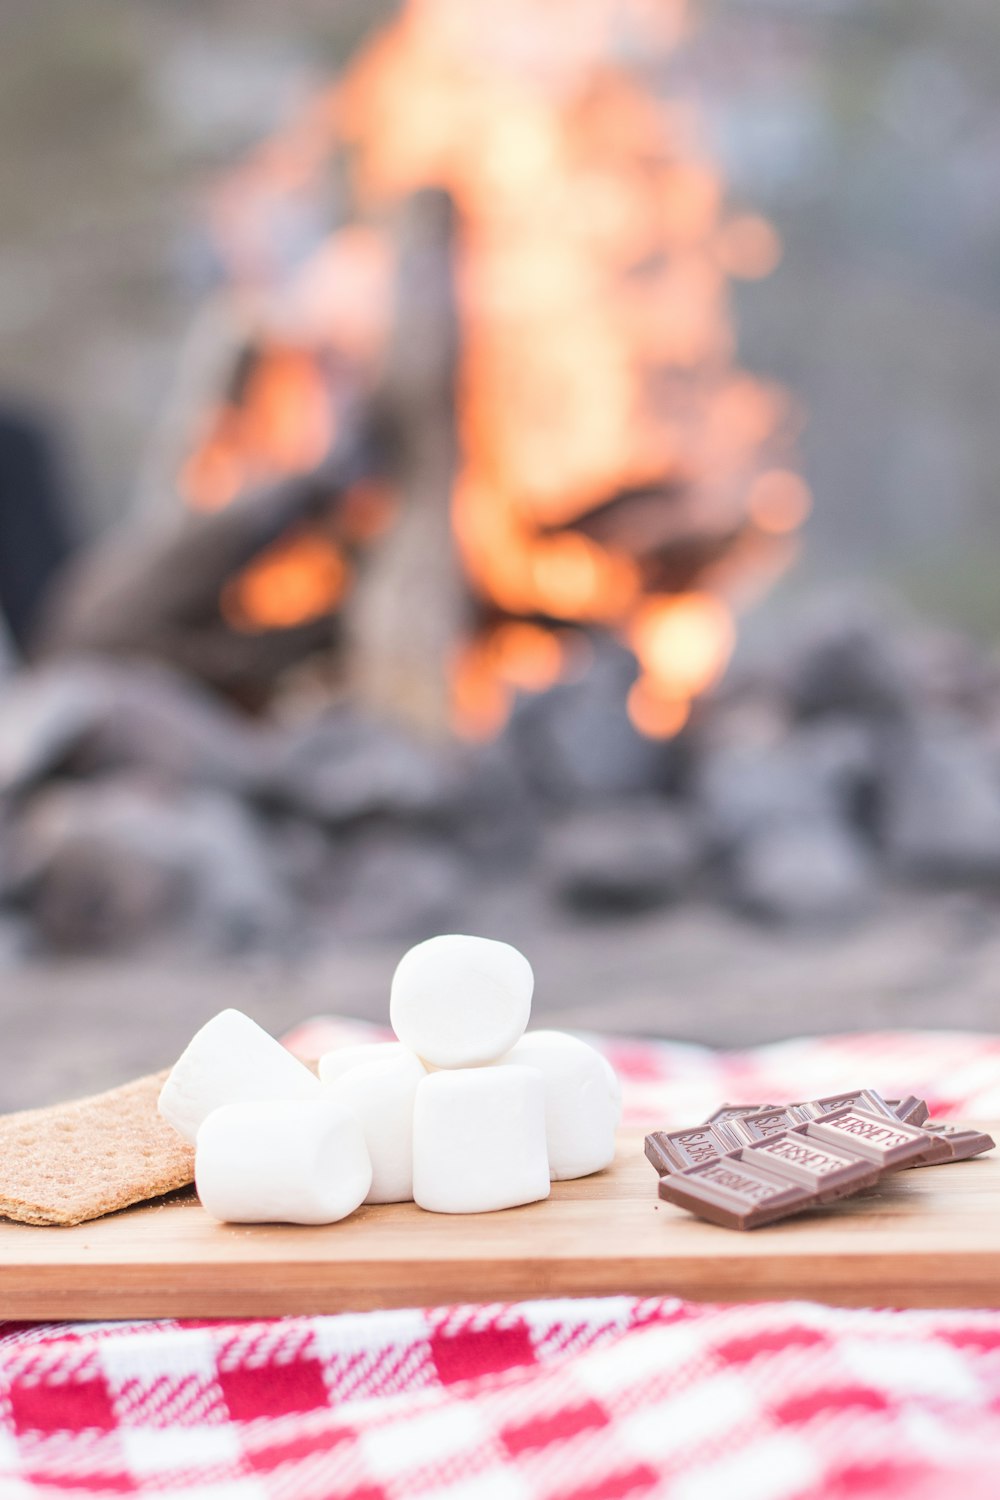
{"type": "Point", "coordinates": [928, 1237]}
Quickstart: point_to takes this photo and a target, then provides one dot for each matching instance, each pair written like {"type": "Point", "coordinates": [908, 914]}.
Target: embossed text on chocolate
{"type": "Point", "coordinates": [870, 1130]}
{"type": "Point", "coordinates": [753, 1189]}
{"type": "Point", "coordinates": [805, 1156]}
{"type": "Point", "coordinates": [700, 1145]}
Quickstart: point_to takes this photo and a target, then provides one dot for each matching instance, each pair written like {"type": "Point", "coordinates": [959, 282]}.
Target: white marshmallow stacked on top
{"type": "Point", "coordinates": [466, 1113]}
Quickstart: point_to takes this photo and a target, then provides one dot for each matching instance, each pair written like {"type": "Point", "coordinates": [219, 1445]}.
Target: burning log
{"type": "Point", "coordinates": [182, 590]}
{"type": "Point", "coordinates": [659, 528]}
{"type": "Point", "coordinates": [158, 590]}
{"type": "Point", "coordinates": [411, 608]}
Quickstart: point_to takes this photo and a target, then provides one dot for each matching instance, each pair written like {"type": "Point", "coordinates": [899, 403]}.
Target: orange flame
{"type": "Point", "coordinates": [683, 643]}
{"type": "Point", "coordinates": [300, 578]}
{"type": "Point", "coordinates": [654, 713]}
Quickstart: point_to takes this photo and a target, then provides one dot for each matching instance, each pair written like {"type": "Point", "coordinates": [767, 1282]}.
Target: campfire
{"type": "Point", "coordinates": [526, 282]}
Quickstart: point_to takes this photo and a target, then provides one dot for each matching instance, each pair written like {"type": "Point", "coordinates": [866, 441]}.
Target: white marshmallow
{"type": "Point", "coordinates": [583, 1100]}
{"type": "Point", "coordinates": [381, 1094]}
{"type": "Point", "coordinates": [479, 1140]}
{"type": "Point", "coordinates": [459, 1001]}
{"type": "Point", "coordinates": [282, 1161]}
{"type": "Point", "coordinates": [229, 1060]}
{"type": "Point", "coordinates": [342, 1059]}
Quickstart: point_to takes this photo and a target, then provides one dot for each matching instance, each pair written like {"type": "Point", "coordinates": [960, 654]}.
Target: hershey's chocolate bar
{"type": "Point", "coordinates": [735, 1194]}
{"type": "Point", "coordinates": [751, 1165]}
{"type": "Point", "coordinates": [733, 1126]}
{"type": "Point", "coordinates": [781, 1175]}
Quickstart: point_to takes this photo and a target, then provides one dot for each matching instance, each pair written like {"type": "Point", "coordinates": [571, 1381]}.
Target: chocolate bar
{"type": "Point", "coordinates": [790, 1172]}
{"type": "Point", "coordinates": [781, 1175]}
{"type": "Point", "coordinates": [734, 1126]}
{"type": "Point", "coordinates": [750, 1165]}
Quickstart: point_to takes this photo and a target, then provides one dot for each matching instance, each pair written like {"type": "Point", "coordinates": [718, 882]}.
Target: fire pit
{"type": "Point", "coordinates": [433, 623]}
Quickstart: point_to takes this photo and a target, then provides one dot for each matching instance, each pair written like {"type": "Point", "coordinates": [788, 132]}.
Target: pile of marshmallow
{"type": "Point", "coordinates": [465, 1113]}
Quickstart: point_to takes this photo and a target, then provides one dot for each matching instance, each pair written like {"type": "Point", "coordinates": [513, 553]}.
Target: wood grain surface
{"type": "Point", "coordinates": [923, 1238]}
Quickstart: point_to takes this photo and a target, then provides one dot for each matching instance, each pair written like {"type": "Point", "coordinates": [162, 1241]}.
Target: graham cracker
{"type": "Point", "coordinates": [77, 1161]}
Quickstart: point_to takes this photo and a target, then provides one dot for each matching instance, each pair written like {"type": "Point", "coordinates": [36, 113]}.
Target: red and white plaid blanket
{"type": "Point", "coordinates": [597, 1399]}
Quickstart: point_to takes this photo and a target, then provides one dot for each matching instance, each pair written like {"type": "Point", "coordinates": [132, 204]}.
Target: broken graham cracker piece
{"type": "Point", "coordinates": [78, 1161]}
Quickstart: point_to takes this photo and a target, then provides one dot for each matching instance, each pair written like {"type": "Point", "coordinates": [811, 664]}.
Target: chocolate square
{"type": "Point", "coordinates": [912, 1110]}
{"type": "Point", "coordinates": [727, 1112]}
{"type": "Point", "coordinates": [735, 1194]}
{"type": "Point", "coordinates": [676, 1150]}
{"type": "Point", "coordinates": [887, 1142]}
{"type": "Point", "coordinates": [866, 1099]}
{"type": "Point", "coordinates": [958, 1141]}
{"type": "Point", "coordinates": [829, 1172]}
{"type": "Point", "coordinates": [749, 1129]}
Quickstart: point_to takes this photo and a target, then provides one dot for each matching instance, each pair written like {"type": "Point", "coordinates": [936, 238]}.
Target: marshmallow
{"type": "Point", "coordinates": [459, 1001]}
{"type": "Point", "coordinates": [479, 1140]}
{"type": "Point", "coordinates": [288, 1161]}
{"type": "Point", "coordinates": [229, 1060]}
{"type": "Point", "coordinates": [342, 1059]}
{"type": "Point", "coordinates": [583, 1100]}
{"type": "Point", "coordinates": [381, 1095]}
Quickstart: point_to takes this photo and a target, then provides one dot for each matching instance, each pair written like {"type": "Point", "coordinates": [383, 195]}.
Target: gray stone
{"type": "Point", "coordinates": [345, 766]}
{"type": "Point", "coordinates": [804, 872]}
{"type": "Point", "coordinates": [111, 865]}
{"type": "Point", "coordinates": [498, 818]}
{"type": "Point", "coordinates": [787, 817]}
{"type": "Point", "coordinates": [851, 660]}
{"type": "Point", "coordinates": [626, 857]}
{"type": "Point", "coordinates": [393, 884]}
{"type": "Point", "coordinates": [820, 772]}
{"type": "Point", "coordinates": [44, 715]}
{"type": "Point", "coordinates": [93, 716]}
{"type": "Point", "coordinates": [575, 741]}
{"type": "Point", "coordinates": [940, 803]}
{"type": "Point", "coordinates": [17, 941]}
{"type": "Point", "coordinates": [156, 719]}
{"type": "Point", "coordinates": [304, 858]}
{"type": "Point", "coordinates": [955, 674]}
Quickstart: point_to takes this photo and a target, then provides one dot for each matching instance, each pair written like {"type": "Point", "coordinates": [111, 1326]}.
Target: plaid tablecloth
{"type": "Point", "coordinates": [550, 1400]}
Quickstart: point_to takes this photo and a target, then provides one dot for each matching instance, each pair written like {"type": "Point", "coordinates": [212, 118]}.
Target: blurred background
{"type": "Point", "coordinates": [527, 469]}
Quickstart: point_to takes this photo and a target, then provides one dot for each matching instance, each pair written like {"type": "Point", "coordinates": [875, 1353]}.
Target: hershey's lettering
{"type": "Point", "coordinates": [868, 1130]}
{"type": "Point", "coordinates": [805, 1156]}
{"type": "Point", "coordinates": [749, 1188]}
{"type": "Point", "coordinates": [699, 1145]}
